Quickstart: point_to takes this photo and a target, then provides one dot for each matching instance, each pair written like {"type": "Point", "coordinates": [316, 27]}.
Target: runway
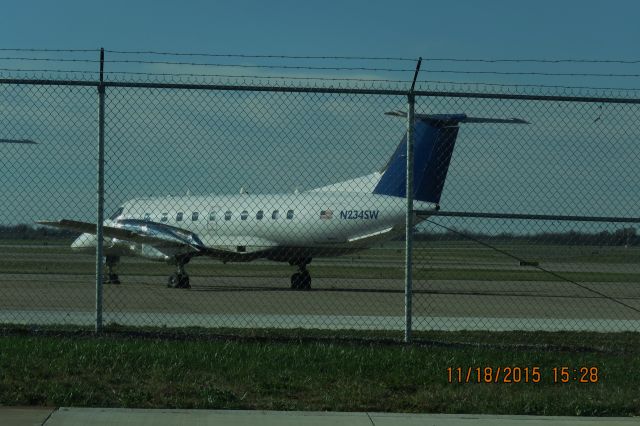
{"type": "Point", "coordinates": [333, 303]}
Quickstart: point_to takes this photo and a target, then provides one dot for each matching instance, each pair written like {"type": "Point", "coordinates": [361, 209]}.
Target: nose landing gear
{"type": "Point", "coordinates": [110, 276]}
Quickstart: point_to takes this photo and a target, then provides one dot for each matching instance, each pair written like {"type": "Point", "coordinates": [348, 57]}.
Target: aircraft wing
{"type": "Point", "coordinates": [143, 232]}
{"type": "Point", "coordinates": [162, 237]}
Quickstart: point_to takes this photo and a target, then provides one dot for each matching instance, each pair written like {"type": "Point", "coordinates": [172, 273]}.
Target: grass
{"type": "Point", "coordinates": [316, 371]}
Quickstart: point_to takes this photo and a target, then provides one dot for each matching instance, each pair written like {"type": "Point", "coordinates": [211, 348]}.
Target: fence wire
{"type": "Point", "coordinates": [571, 159]}
{"type": "Point", "coordinates": [41, 282]}
{"type": "Point", "coordinates": [255, 207]}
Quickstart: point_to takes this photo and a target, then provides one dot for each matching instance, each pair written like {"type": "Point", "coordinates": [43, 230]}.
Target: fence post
{"type": "Point", "coordinates": [100, 205]}
{"type": "Point", "coordinates": [408, 284]}
{"type": "Point", "coordinates": [408, 270]}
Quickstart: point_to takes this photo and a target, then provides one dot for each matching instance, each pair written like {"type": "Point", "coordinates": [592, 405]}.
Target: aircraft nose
{"type": "Point", "coordinates": [84, 242]}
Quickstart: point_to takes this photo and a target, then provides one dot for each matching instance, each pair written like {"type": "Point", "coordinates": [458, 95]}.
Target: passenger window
{"type": "Point", "coordinates": [274, 215]}
{"type": "Point", "coordinates": [194, 216]}
{"type": "Point", "coordinates": [179, 216]}
{"type": "Point", "coordinates": [259, 215]}
{"type": "Point", "coordinates": [212, 216]}
{"type": "Point", "coordinates": [165, 217]}
{"type": "Point", "coordinates": [290, 214]}
{"type": "Point", "coordinates": [227, 215]}
{"type": "Point", "coordinates": [244, 215]}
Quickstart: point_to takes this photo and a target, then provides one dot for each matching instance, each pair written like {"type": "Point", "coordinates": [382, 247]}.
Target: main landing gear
{"type": "Point", "coordinates": [110, 276]}
{"type": "Point", "coordinates": [180, 279]}
{"type": "Point", "coordinates": [301, 280]}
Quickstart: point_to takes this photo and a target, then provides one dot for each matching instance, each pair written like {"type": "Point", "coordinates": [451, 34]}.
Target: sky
{"type": "Point", "coordinates": [430, 29]}
{"type": "Point", "coordinates": [465, 28]}
{"type": "Point", "coordinates": [572, 137]}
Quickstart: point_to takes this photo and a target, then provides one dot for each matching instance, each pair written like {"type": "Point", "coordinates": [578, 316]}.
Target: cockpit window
{"type": "Point", "coordinates": [117, 213]}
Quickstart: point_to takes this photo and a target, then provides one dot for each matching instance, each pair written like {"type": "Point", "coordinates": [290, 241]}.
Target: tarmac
{"type": "Point", "coordinates": [333, 303]}
{"type": "Point", "coordinates": [18, 416]}
{"type": "Point", "coordinates": [47, 285]}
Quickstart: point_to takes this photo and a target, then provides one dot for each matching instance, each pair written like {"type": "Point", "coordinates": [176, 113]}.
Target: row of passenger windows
{"type": "Point", "coordinates": [213, 216]}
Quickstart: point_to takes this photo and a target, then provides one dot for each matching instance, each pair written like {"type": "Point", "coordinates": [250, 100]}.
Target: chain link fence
{"type": "Point", "coordinates": [267, 207]}
{"type": "Point", "coordinates": [557, 246]}
{"type": "Point", "coordinates": [41, 282]}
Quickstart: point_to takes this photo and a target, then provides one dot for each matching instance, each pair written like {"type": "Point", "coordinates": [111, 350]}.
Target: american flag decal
{"type": "Point", "coordinates": [326, 214]}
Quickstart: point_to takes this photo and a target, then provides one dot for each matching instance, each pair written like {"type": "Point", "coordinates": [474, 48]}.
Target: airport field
{"type": "Point", "coordinates": [436, 259]}
{"type": "Point", "coordinates": [457, 286]}
{"type": "Point", "coordinates": [241, 339]}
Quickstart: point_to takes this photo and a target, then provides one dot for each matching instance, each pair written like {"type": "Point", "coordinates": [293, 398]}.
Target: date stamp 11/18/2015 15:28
{"type": "Point", "coordinates": [515, 374]}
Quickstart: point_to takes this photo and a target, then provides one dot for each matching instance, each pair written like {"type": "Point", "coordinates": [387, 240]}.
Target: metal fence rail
{"type": "Point", "coordinates": [536, 232]}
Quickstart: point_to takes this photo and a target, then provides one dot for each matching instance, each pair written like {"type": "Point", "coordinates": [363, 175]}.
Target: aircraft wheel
{"type": "Point", "coordinates": [306, 281]}
{"type": "Point", "coordinates": [111, 279]}
{"type": "Point", "coordinates": [295, 281]}
{"type": "Point", "coordinates": [301, 281]}
{"type": "Point", "coordinates": [173, 282]}
{"type": "Point", "coordinates": [179, 281]}
{"type": "Point", "coordinates": [184, 282]}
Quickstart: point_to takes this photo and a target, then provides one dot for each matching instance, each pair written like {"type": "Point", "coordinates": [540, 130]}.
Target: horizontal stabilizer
{"type": "Point", "coordinates": [27, 141]}
{"type": "Point", "coordinates": [458, 118]}
{"type": "Point", "coordinates": [434, 139]}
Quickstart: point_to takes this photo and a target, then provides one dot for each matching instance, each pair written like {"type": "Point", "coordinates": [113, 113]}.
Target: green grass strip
{"type": "Point", "coordinates": [276, 372]}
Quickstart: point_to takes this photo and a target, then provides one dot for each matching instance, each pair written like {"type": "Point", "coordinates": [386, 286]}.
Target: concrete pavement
{"type": "Point", "coordinates": [18, 416]}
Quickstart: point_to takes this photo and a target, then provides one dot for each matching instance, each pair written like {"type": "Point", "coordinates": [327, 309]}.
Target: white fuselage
{"type": "Point", "coordinates": [278, 227]}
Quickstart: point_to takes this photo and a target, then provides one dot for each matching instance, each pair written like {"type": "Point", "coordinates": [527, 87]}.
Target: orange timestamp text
{"type": "Point", "coordinates": [515, 374]}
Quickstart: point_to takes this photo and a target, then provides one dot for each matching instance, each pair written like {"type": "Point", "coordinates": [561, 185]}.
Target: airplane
{"type": "Point", "coordinates": [324, 222]}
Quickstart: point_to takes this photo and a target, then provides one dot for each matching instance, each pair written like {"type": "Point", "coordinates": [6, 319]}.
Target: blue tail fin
{"type": "Point", "coordinates": [434, 139]}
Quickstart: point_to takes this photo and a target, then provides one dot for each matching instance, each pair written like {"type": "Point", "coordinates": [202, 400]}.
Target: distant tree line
{"type": "Point", "coordinates": [619, 237]}
{"type": "Point", "coordinates": [30, 232]}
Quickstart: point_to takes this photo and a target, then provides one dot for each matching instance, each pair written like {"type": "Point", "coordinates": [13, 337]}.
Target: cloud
{"type": "Point", "coordinates": [574, 158]}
